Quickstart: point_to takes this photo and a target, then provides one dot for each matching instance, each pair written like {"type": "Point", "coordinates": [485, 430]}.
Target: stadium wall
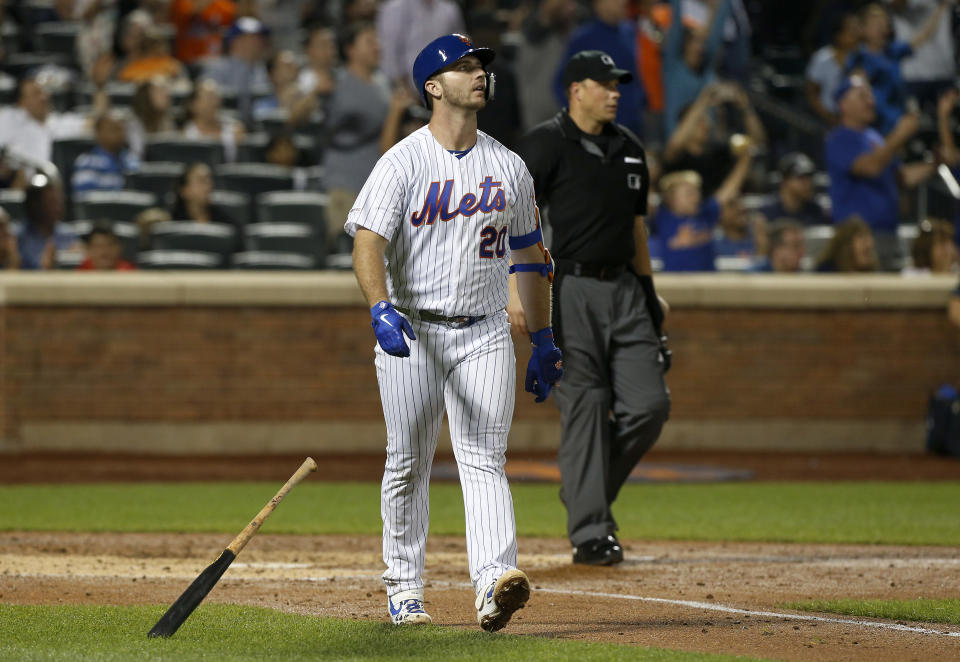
{"type": "Point", "coordinates": [239, 362]}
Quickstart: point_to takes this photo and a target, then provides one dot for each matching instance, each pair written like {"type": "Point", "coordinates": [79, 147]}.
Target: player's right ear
{"type": "Point", "coordinates": [433, 89]}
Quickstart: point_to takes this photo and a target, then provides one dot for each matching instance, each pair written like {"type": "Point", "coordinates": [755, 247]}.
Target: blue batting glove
{"type": "Point", "coordinates": [546, 364]}
{"type": "Point", "coordinates": [389, 325]}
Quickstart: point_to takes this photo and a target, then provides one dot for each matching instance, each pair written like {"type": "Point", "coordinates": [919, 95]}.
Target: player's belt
{"type": "Point", "coordinates": [457, 322]}
{"type": "Point", "coordinates": [592, 269]}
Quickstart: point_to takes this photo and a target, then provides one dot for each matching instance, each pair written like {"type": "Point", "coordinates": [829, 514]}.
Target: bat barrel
{"type": "Point", "coordinates": [180, 610]}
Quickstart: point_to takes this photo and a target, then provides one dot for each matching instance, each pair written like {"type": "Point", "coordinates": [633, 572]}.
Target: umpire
{"type": "Point", "coordinates": [590, 175]}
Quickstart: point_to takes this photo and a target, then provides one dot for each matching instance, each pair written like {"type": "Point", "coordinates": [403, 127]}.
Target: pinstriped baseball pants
{"type": "Point", "coordinates": [470, 374]}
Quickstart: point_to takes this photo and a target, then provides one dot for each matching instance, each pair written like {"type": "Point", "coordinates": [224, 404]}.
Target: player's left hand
{"type": "Point", "coordinates": [390, 326]}
{"type": "Point", "coordinates": [546, 364]}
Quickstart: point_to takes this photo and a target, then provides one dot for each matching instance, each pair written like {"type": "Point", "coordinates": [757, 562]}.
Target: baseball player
{"type": "Point", "coordinates": [436, 224]}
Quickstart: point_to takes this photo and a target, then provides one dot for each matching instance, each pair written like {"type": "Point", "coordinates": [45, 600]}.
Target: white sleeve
{"type": "Point", "coordinates": [380, 205]}
{"type": "Point", "coordinates": [525, 217]}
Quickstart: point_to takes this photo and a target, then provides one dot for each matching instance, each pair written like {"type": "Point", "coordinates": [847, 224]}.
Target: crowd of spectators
{"type": "Point", "coordinates": [119, 114]}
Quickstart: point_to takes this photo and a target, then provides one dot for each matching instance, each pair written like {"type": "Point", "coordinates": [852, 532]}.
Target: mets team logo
{"type": "Point", "coordinates": [437, 202]}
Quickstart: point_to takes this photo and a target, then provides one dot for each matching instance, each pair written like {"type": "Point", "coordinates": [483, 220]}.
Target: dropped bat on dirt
{"type": "Point", "coordinates": [181, 609]}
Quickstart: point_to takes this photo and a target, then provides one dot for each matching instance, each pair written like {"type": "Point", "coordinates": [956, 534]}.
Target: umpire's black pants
{"type": "Point", "coordinates": [613, 400]}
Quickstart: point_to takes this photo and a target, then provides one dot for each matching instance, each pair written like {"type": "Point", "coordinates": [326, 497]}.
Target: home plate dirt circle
{"type": "Point", "coordinates": [707, 597]}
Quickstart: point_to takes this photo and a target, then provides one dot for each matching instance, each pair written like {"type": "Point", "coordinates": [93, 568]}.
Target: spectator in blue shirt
{"type": "Point", "coordinates": [243, 70]}
{"type": "Point", "coordinates": [864, 167]}
{"type": "Point", "coordinates": [690, 59]}
{"type": "Point", "coordinates": [879, 59]}
{"type": "Point", "coordinates": [825, 69]}
{"type": "Point", "coordinates": [685, 224]}
{"type": "Point", "coordinates": [43, 233]}
{"type": "Point", "coordinates": [105, 166]}
{"type": "Point", "coordinates": [740, 234]}
{"type": "Point", "coordinates": [613, 34]}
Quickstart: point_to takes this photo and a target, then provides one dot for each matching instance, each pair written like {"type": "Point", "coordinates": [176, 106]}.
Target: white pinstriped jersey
{"type": "Point", "coordinates": [447, 221]}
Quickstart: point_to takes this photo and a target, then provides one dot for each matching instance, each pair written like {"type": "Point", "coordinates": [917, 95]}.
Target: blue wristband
{"type": "Point", "coordinates": [543, 337]}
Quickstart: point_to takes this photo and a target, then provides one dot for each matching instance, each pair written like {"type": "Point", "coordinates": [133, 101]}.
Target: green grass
{"type": "Point", "coordinates": [923, 610]}
{"type": "Point", "coordinates": [225, 633]}
{"type": "Point", "coordinates": [861, 512]}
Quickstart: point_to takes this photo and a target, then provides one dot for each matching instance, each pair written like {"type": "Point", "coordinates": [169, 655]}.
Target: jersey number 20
{"type": "Point", "coordinates": [488, 237]}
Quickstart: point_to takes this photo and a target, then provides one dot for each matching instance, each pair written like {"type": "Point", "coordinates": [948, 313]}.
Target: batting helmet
{"type": "Point", "coordinates": [444, 51]}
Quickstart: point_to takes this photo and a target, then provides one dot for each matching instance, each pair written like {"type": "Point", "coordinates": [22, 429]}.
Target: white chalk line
{"type": "Point", "coordinates": [709, 606]}
{"type": "Point", "coordinates": [271, 565]}
{"type": "Point", "coordinates": [692, 604]}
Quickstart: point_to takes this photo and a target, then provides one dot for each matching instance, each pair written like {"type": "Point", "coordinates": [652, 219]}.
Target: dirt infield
{"type": "Point", "coordinates": [687, 596]}
{"type": "Point", "coordinates": [708, 597]}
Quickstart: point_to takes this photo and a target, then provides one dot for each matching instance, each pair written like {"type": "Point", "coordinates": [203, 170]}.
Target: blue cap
{"type": "Point", "coordinates": [442, 52]}
{"type": "Point", "coordinates": [246, 25]}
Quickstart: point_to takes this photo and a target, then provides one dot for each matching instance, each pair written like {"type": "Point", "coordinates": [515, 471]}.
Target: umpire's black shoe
{"type": "Point", "coordinates": [599, 551]}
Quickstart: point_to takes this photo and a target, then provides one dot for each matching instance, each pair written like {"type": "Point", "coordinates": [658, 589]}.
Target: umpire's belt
{"type": "Point", "coordinates": [456, 322]}
{"type": "Point", "coordinates": [591, 269]}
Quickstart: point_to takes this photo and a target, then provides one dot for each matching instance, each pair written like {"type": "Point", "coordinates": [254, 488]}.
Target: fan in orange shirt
{"type": "Point", "coordinates": [200, 26]}
{"type": "Point", "coordinates": [155, 60]}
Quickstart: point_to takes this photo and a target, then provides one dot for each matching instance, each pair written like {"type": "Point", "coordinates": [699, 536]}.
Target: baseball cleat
{"type": "Point", "coordinates": [406, 608]}
{"type": "Point", "coordinates": [497, 602]}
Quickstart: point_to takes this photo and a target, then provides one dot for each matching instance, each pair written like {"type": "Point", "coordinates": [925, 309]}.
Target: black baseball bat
{"type": "Point", "coordinates": [181, 609]}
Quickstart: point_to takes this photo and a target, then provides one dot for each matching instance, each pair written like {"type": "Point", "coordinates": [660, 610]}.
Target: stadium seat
{"type": "Point", "coordinates": [272, 121]}
{"type": "Point", "coordinates": [253, 178]}
{"type": "Point", "coordinates": [235, 206]}
{"type": "Point", "coordinates": [112, 205]}
{"type": "Point", "coordinates": [754, 202]}
{"type": "Point", "coordinates": [821, 180]}
{"type": "Point", "coordinates": [157, 177]}
{"type": "Point", "coordinates": [253, 147]}
{"type": "Point", "coordinates": [12, 201]}
{"type": "Point", "coordinates": [733, 263]}
{"type": "Point", "coordinates": [906, 234]}
{"type": "Point", "coordinates": [68, 259]}
{"type": "Point", "coordinates": [127, 233]}
{"type": "Point", "coordinates": [294, 207]}
{"type": "Point", "coordinates": [816, 238]}
{"type": "Point", "coordinates": [8, 92]}
{"type": "Point", "coordinates": [272, 260]}
{"type": "Point", "coordinates": [161, 259]}
{"type": "Point", "coordinates": [175, 147]}
{"type": "Point", "coordinates": [119, 93]}
{"type": "Point", "coordinates": [214, 238]}
{"type": "Point", "coordinates": [10, 37]}
{"type": "Point", "coordinates": [285, 238]}
{"type": "Point", "coordinates": [59, 37]}
{"type": "Point", "coordinates": [316, 178]}
{"type": "Point", "coordinates": [66, 150]}
{"type": "Point", "coordinates": [229, 99]}
{"type": "Point", "coordinates": [18, 64]}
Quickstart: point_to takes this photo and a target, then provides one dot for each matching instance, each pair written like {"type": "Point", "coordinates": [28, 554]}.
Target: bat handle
{"type": "Point", "coordinates": [244, 536]}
